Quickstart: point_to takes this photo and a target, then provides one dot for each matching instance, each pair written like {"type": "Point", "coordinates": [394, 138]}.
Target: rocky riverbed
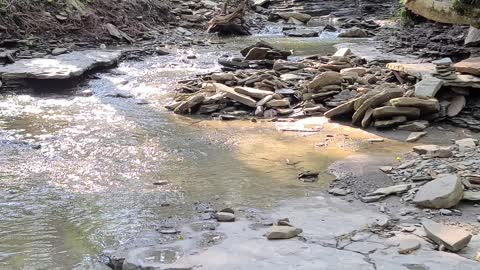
{"type": "Point", "coordinates": [100, 176]}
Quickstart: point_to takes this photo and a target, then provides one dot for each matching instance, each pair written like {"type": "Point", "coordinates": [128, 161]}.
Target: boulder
{"type": "Point", "coordinates": [297, 15]}
{"type": "Point", "coordinates": [415, 136]}
{"type": "Point", "coordinates": [345, 108]}
{"type": "Point", "coordinates": [433, 150]}
{"type": "Point", "coordinates": [253, 92]}
{"type": "Point", "coordinates": [446, 11]}
{"type": "Point", "coordinates": [443, 192]}
{"type": "Point", "coordinates": [473, 37]}
{"type": "Point", "coordinates": [367, 118]}
{"type": "Point", "coordinates": [257, 53]}
{"type": "Point", "coordinates": [230, 93]}
{"type": "Point", "coordinates": [456, 105]}
{"type": "Point", "coordinates": [426, 106]}
{"type": "Point", "coordinates": [354, 32]}
{"type": "Point", "coordinates": [282, 232]}
{"type": "Point", "coordinates": [325, 79]}
{"type": "Point", "coordinates": [390, 111]}
{"type": "Point", "coordinates": [295, 21]}
{"type": "Point", "coordinates": [469, 66]}
{"type": "Point", "coordinates": [454, 239]}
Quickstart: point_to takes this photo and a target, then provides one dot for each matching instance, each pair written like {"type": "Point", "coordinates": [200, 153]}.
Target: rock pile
{"type": "Point", "coordinates": [444, 69]}
{"type": "Point", "coordinates": [438, 177]}
{"type": "Point", "coordinates": [264, 83]}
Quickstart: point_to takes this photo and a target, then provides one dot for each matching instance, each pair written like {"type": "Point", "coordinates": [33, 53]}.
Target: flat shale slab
{"type": "Point", "coordinates": [60, 67]}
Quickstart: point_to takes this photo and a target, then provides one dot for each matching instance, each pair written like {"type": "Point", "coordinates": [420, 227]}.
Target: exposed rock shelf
{"type": "Point", "coordinates": [59, 67]}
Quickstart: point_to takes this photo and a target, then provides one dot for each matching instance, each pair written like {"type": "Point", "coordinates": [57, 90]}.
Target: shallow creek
{"type": "Point", "coordinates": [77, 173]}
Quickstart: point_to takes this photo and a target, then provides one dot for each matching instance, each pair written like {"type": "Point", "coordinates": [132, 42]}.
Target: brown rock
{"type": "Point", "coordinates": [325, 79]}
{"type": "Point", "coordinates": [469, 66]}
{"type": "Point", "coordinates": [390, 111]}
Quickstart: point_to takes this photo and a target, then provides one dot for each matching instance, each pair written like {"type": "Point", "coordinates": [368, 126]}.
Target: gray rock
{"type": "Point", "coordinates": [354, 32]}
{"type": "Point", "coordinates": [187, 105]}
{"type": "Point", "coordinates": [471, 196]}
{"type": "Point", "coordinates": [443, 192]}
{"type": "Point", "coordinates": [325, 79]}
{"type": "Point", "coordinates": [454, 239]}
{"type": "Point", "coordinates": [391, 190]}
{"type": "Point", "coordinates": [225, 217]}
{"type": "Point", "coordinates": [222, 77]}
{"type": "Point", "coordinates": [397, 120]}
{"type": "Point", "coordinates": [473, 37]}
{"type": "Point", "coordinates": [347, 107]}
{"type": "Point", "coordinates": [386, 169]}
{"type": "Point", "coordinates": [408, 246]}
{"type": "Point", "coordinates": [156, 257]}
{"type": "Point", "coordinates": [64, 66]}
{"type": "Point", "coordinates": [391, 111]}
{"type": "Point", "coordinates": [456, 105]}
{"type": "Point", "coordinates": [276, 103]}
{"type": "Point", "coordinates": [301, 33]}
{"type": "Point", "coordinates": [58, 51]}
{"type": "Point", "coordinates": [433, 150]}
{"type": "Point", "coordinates": [253, 92]}
{"type": "Point", "coordinates": [282, 232]}
{"type": "Point", "coordinates": [339, 192]}
{"type": "Point", "coordinates": [414, 126]}
{"type": "Point", "coordinates": [466, 144]}
{"type": "Point", "coordinates": [297, 15]}
{"type": "Point", "coordinates": [415, 136]}
{"type": "Point", "coordinates": [232, 94]}
{"type": "Point", "coordinates": [427, 106]}
{"type": "Point", "coordinates": [428, 86]}
{"type": "Point", "coordinates": [257, 53]}
{"type": "Point", "coordinates": [342, 52]}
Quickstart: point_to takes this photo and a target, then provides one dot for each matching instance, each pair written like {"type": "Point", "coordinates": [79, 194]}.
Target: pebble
{"type": "Point", "coordinates": [445, 212]}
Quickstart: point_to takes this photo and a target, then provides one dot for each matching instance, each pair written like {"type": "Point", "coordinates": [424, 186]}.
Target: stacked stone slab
{"type": "Point", "coordinates": [444, 69]}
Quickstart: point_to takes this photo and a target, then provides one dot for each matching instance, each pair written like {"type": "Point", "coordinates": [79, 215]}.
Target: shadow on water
{"type": "Point", "coordinates": [90, 185]}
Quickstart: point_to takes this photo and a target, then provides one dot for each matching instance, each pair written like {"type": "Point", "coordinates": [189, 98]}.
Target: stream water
{"type": "Point", "coordinates": [77, 173]}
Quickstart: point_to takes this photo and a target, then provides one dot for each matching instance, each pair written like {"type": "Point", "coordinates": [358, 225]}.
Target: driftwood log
{"type": "Point", "coordinates": [230, 24]}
